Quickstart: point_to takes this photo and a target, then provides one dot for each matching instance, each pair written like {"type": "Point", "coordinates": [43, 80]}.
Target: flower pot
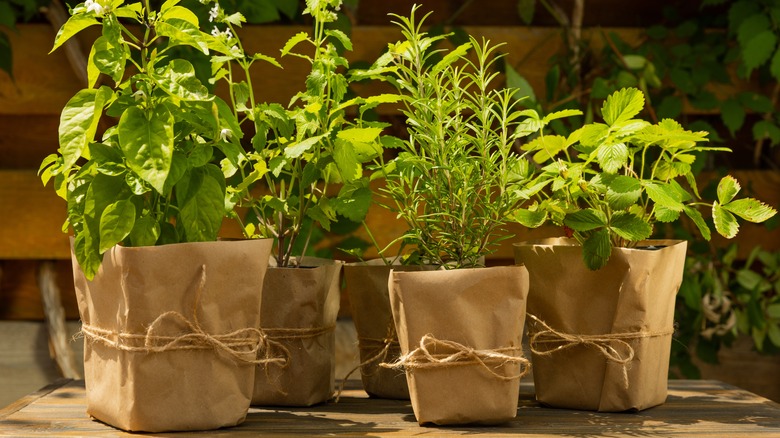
{"type": "Point", "coordinates": [300, 306]}
{"type": "Point", "coordinates": [460, 333]}
{"type": "Point", "coordinates": [366, 286]}
{"type": "Point", "coordinates": [170, 334]}
{"type": "Point", "coordinates": [601, 340]}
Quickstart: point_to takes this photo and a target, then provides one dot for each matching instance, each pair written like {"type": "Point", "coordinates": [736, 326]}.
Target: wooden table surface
{"type": "Point", "coordinates": [693, 408]}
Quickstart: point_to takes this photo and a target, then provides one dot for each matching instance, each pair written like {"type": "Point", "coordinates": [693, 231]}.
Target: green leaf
{"type": "Point", "coordinates": [773, 311]}
{"type": "Point", "coordinates": [561, 114]}
{"type": "Point", "coordinates": [74, 25]}
{"type": "Point", "coordinates": [525, 9]}
{"type": "Point", "coordinates": [297, 149]}
{"type": "Point", "coordinates": [109, 58]}
{"type": "Point", "coordinates": [733, 115]}
{"type": "Point", "coordinates": [766, 129]}
{"type": "Point", "coordinates": [752, 27]}
{"type": "Point", "coordinates": [728, 187]}
{"type": "Point", "coordinates": [293, 41]}
{"type": "Point", "coordinates": [360, 135]}
{"type": "Point", "coordinates": [699, 221]}
{"type": "Point", "coordinates": [622, 105]}
{"type": "Point", "coordinates": [353, 202]}
{"type": "Point", "coordinates": [316, 212]}
{"type": "Point", "coordinates": [347, 161]}
{"type": "Point", "coordinates": [201, 197]}
{"type": "Point", "coordinates": [147, 142]}
{"type": "Point", "coordinates": [182, 32]}
{"type": "Point", "coordinates": [181, 13]}
{"type": "Point", "coordinates": [116, 222]}
{"type": "Point", "coordinates": [548, 146]}
{"type": "Point", "coordinates": [612, 157]}
{"type": "Point", "coordinates": [665, 215]}
{"type": "Point", "coordinates": [79, 121]}
{"type": "Point", "coordinates": [635, 62]}
{"type": "Point", "coordinates": [750, 209]}
{"type": "Point", "coordinates": [454, 55]}
{"type": "Point", "coordinates": [585, 220]}
{"type": "Point", "coordinates": [664, 195]}
{"type": "Point", "coordinates": [774, 65]}
{"type": "Point", "coordinates": [630, 226]}
{"type": "Point", "coordinates": [773, 332]}
{"type": "Point", "coordinates": [759, 49]}
{"type": "Point", "coordinates": [523, 89]}
{"type": "Point", "coordinates": [623, 191]}
{"type": "Point", "coordinates": [596, 250]}
{"type": "Point", "coordinates": [725, 222]}
{"type": "Point", "coordinates": [87, 256]}
{"type": "Point", "coordinates": [341, 37]}
{"type": "Point", "coordinates": [530, 218]}
{"type": "Point", "coordinates": [178, 79]}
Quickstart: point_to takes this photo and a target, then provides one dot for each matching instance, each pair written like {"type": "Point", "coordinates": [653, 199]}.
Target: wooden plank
{"type": "Point", "coordinates": [20, 298]}
{"type": "Point", "coordinates": [31, 218]}
{"type": "Point", "coordinates": [25, 140]}
{"type": "Point", "coordinates": [693, 408]}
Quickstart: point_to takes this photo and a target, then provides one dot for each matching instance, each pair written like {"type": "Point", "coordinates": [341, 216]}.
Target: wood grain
{"type": "Point", "coordinates": [693, 408]}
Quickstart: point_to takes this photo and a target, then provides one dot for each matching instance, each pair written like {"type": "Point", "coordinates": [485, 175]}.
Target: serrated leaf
{"type": "Point", "coordinates": [728, 187]}
{"type": "Point", "coordinates": [623, 191]}
{"type": "Point", "coordinates": [630, 226]}
{"type": "Point", "coordinates": [750, 209]}
{"type": "Point", "coordinates": [612, 157]}
{"type": "Point", "coordinates": [293, 41]}
{"type": "Point", "coordinates": [725, 223]}
{"type": "Point", "coordinates": [297, 149]}
{"type": "Point", "coordinates": [699, 221]}
{"type": "Point", "coordinates": [347, 161]}
{"type": "Point", "coordinates": [353, 203]}
{"type": "Point", "coordinates": [665, 215]}
{"type": "Point", "coordinates": [147, 143]}
{"type": "Point", "coordinates": [116, 222]}
{"type": "Point", "coordinates": [359, 135]}
{"type": "Point", "coordinates": [663, 195]}
{"type": "Point", "coordinates": [585, 220]}
{"type": "Point", "coordinates": [622, 105]}
{"type": "Point", "coordinates": [596, 250]}
{"type": "Point", "coordinates": [341, 37]}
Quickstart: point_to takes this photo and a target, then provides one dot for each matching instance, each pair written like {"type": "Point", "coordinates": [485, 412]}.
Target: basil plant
{"type": "Point", "coordinates": [608, 184]}
{"type": "Point", "coordinates": [158, 171]}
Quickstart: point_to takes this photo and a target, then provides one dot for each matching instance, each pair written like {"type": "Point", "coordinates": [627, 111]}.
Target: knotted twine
{"type": "Point", "coordinates": [458, 354]}
{"type": "Point", "coordinates": [242, 345]}
{"type": "Point", "coordinates": [601, 343]}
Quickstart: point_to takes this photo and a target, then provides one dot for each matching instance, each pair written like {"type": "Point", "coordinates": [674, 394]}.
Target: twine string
{"type": "Point", "coordinates": [460, 355]}
{"type": "Point", "coordinates": [547, 340]}
{"type": "Point", "coordinates": [380, 346]}
{"type": "Point", "coordinates": [242, 345]}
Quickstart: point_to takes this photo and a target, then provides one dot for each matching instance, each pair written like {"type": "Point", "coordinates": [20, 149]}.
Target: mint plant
{"type": "Point", "coordinates": [456, 178]}
{"type": "Point", "coordinates": [150, 178]}
{"type": "Point", "coordinates": [302, 151]}
{"type": "Point", "coordinates": [609, 183]}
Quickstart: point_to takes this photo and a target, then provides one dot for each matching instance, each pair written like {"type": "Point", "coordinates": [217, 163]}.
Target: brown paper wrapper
{"type": "Point", "coordinates": [366, 286]}
{"type": "Point", "coordinates": [482, 308]}
{"type": "Point", "coordinates": [632, 299]}
{"type": "Point", "coordinates": [300, 306]}
{"type": "Point", "coordinates": [165, 287]}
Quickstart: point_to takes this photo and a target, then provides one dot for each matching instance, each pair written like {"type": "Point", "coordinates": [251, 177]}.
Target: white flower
{"type": "Point", "coordinates": [235, 51]}
{"type": "Point", "coordinates": [214, 12]}
{"type": "Point", "coordinates": [225, 134]}
{"type": "Point", "coordinates": [139, 95]}
{"type": "Point", "coordinates": [94, 6]}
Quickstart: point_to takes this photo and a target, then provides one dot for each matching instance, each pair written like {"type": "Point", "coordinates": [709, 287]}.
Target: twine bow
{"type": "Point", "coordinates": [602, 343]}
{"type": "Point", "coordinates": [460, 355]}
{"type": "Point", "coordinates": [242, 345]}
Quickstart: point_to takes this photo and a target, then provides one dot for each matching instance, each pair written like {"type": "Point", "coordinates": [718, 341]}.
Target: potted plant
{"type": "Point", "coordinates": [603, 300]}
{"type": "Point", "coordinates": [299, 155]}
{"type": "Point", "coordinates": [455, 181]}
{"type": "Point", "coordinates": [145, 203]}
